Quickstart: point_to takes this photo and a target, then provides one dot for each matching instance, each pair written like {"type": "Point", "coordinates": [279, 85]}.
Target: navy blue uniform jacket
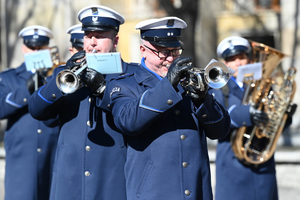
{"type": "Point", "coordinates": [29, 144]}
{"type": "Point", "coordinates": [235, 181]}
{"type": "Point", "coordinates": [90, 156]}
{"type": "Point", "coordinates": [167, 154]}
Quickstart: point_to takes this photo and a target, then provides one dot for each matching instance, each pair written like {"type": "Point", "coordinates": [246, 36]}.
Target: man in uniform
{"type": "Point", "coordinates": [90, 156]}
{"type": "Point", "coordinates": [76, 38]}
{"type": "Point", "coordinates": [29, 144]}
{"type": "Point", "coordinates": [165, 127]}
{"type": "Point", "coordinates": [234, 179]}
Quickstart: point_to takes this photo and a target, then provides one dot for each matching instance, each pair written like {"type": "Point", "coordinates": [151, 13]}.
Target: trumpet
{"type": "Point", "coordinates": [68, 80]}
{"type": "Point", "coordinates": [216, 75]}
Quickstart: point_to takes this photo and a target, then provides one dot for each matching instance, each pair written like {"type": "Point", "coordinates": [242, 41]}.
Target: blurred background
{"type": "Point", "coordinates": [272, 22]}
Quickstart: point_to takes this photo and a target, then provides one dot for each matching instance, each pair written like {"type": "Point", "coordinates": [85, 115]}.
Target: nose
{"type": "Point", "coordinates": [170, 57]}
{"type": "Point", "coordinates": [94, 41]}
{"type": "Point", "coordinates": [238, 62]}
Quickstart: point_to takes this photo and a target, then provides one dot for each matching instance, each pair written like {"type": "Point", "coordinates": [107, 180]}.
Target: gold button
{"type": "Point", "coordinates": [25, 100]}
{"type": "Point", "coordinates": [187, 192]}
{"type": "Point", "coordinates": [88, 123]}
{"type": "Point", "coordinates": [39, 131]}
{"type": "Point", "coordinates": [170, 102]}
{"type": "Point", "coordinates": [108, 105]}
{"type": "Point", "coordinates": [184, 164]}
{"type": "Point", "coordinates": [204, 115]}
{"type": "Point", "coordinates": [53, 96]}
{"type": "Point", "coordinates": [182, 137]}
{"type": "Point", "coordinates": [87, 148]}
{"type": "Point", "coordinates": [90, 99]}
{"type": "Point", "coordinates": [39, 149]}
{"type": "Point", "coordinates": [87, 173]}
{"type": "Point", "coordinates": [177, 112]}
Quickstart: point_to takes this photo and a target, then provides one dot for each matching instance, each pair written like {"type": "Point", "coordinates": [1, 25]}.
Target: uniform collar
{"type": "Point", "coordinates": [145, 76]}
{"type": "Point", "coordinates": [21, 69]}
{"type": "Point", "coordinates": [144, 65]}
{"type": "Point", "coordinates": [235, 87]}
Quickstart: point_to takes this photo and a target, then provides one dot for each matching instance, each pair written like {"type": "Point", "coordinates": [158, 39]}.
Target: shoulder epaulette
{"type": "Point", "coordinates": [136, 64]}
{"type": "Point", "coordinates": [7, 70]}
{"type": "Point", "coordinates": [122, 76]}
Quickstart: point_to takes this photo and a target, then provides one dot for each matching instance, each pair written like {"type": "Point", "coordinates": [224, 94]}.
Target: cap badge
{"type": "Point", "coordinates": [95, 18]}
{"type": "Point", "coordinates": [35, 35]}
{"type": "Point", "coordinates": [170, 22]}
{"type": "Point", "coordinates": [231, 46]}
{"type": "Point", "coordinates": [94, 11]}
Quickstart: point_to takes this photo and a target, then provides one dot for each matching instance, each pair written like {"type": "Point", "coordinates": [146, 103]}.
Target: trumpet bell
{"type": "Point", "coordinates": [67, 81]}
{"type": "Point", "coordinates": [217, 75]}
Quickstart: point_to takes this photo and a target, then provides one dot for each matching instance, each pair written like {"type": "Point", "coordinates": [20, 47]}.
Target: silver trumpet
{"type": "Point", "coordinates": [216, 75]}
{"type": "Point", "coordinates": [68, 80]}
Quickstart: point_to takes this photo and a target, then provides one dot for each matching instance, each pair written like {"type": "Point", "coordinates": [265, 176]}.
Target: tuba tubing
{"type": "Point", "coordinates": [255, 145]}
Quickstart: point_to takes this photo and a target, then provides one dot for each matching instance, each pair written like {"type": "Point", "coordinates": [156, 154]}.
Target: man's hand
{"type": "Point", "coordinates": [34, 80]}
{"type": "Point", "coordinates": [291, 110]}
{"type": "Point", "coordinates": [178, 69]}
{"type": "Point", "coordinates": [75, 60]}
{"type": "Point", "coordinates": [93, 80]}
{"type": "Point", "coordinates": [258, 117]}
{"type": "Point", "coordinates": [197, 95]}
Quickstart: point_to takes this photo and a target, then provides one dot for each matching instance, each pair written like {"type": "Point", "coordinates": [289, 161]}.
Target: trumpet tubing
{"type": "Point", "coordinates": [216, 75]}
{"type": "Point", "coordinates": [68, 81]}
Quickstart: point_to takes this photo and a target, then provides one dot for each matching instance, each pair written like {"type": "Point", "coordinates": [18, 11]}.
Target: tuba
{"type": "Point", "coordinates": [273, 94]}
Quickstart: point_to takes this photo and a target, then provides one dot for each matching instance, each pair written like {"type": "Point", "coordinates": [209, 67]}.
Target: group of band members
{"type": "Point", "coordinates": [135, 135]}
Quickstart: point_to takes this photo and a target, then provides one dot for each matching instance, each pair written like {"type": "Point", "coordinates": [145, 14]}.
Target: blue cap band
{"type": "Point", "coordinates": [77, 39]}
{"type": "Point", "coordinates": [234, 51]}
{"type": "Point", "coordinates": [96, 23]}
{"type": "Point", "coordinates": [163, 37]}
{"type": "Point", "coordinates": [35, 40]}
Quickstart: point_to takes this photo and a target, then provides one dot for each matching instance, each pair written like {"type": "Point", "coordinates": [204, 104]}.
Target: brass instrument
{"type": "Point", "coordinates": [255, 145]}
{"type": "Point", "coordinates": [45, 72]}
{"type": "Point", "coordinates": [55, 59]}
{"type": "Point", "coordinates": [216, 75]}
{"type": "Point", "coordinates": [68, 81]}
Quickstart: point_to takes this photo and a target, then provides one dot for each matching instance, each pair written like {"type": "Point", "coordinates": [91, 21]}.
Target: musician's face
{"type": "Point", "coordinates": [235, 61]}
{"type": "Point", "coordinates": [74, 50]}
{"type": "Point", "coordinates": [158, 65]}
{"type": "Point", "coordinates": [102, 41]}
{"type": "Point", "coordinates": [30, 49]}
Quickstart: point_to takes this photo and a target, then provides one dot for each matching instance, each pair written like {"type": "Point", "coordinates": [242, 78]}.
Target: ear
{"type": "Point", "coordinates": [25, 49]}
{"type": "Point", "coordinates": [71, 51]}
{"type": "Point", "coordinates": [116, 41]}
{"type": "Point", "coordinates": [143, 50]}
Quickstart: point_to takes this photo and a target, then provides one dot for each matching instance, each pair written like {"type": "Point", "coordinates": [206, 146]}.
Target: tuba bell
{"type": "Point", "coordinates": [273, 94]}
